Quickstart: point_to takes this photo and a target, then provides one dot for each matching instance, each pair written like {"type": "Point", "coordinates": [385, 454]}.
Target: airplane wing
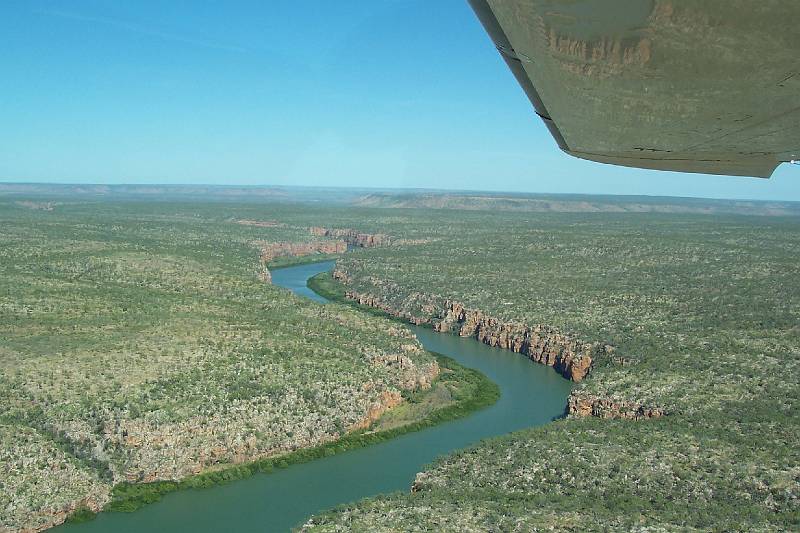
{"type": "Point", "coordinates": [709, 86]}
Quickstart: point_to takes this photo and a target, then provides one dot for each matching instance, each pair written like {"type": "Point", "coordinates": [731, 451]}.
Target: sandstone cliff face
{"type": "Point", "coordinates": [411, 376]}
{"type": "Point", "coordinates": [47, 520]}
{"type": "Point", "coordinates": [415, 378]}
{"type": "Point", "coordinates": [571, 357]}
{"type": "Point", "coordinates": [387, 400]}
{"type": "Point", "coordinates": [580, 404]}
{"type": "Point", "coordinates": [373, 301]}
{"type": "Point", "coordinates": [352, 237]}
{"type": "Point", "coordinates": [271, 250]}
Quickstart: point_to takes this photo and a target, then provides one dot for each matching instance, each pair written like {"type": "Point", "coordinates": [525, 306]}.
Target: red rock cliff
{"type": "Point", "coordinates": [582, 404]}
{"type": "Point", "coordinates": [352, 237]}
{"type": "Point", "coordinates": [271, 250]}
{"type": "Point", "coordinates": [571, 357]}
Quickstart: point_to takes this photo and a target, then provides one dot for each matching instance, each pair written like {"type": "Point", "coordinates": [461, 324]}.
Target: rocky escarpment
{"type": "Point", "coordinates": [352, 237]}
{"type": "Point", "coordinates": [388, 399]}
{"type": "Point", "coordinates": [571, 357]}
{"type": "Point", "coordinates": [568, 355]}
{"type": "Point", "coordinates": [375, 302]}
{"type": "Point", "coordinates": [272, 250]}
{"type": "Point", "coordinates": [416, 378]}
{"type": "Point", "coordinates": [55, 517]}
{"type": "Point", "coordinates": [582, 404]}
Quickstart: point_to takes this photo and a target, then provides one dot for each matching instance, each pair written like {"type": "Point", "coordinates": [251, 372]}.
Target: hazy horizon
{"type": "Point", "coordinates": [394, 94]}
{"type": "Point", "coordinates": [389, 191]}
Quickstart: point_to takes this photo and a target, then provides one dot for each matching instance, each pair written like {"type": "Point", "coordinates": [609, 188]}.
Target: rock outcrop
{"type": "Point", "coordinates": [388, 399]}
{"type": "Point", "coordinates": [352, 237]}
{"type": "Point", "coordinates": [571, 357]}
{"type": "Point", "coordinates": [420, 481]}
{"type": "Point", "coordinates": [580, 404]}
{"type": "Point", "coordinates": [271, 250]}
{"type": "Point", "coordinates": [375, 302]}
{"type": "Point", "coordinates": [47, 520]}
{"type": "Point", "coordinates": [416, 378]}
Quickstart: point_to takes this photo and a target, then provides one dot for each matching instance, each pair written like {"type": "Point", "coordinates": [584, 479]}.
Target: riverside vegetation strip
{"type": "Point", "coordinates": [142, 354]}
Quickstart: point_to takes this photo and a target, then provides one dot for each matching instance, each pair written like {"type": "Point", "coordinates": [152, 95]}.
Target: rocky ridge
{"type": "Point", "coordinates": [352, 237]}
{"type": "Point", "coordinates": [571, 357]}
{"type": "Point", "coordinates": [580, 404]}
{"type": "Point", "coordinates": [272, 250]}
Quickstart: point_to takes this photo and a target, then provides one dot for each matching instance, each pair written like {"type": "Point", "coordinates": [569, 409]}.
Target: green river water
{"type": "Point", "coordinates": [531, 395]}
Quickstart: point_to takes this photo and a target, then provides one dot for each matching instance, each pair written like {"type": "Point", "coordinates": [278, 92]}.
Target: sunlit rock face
{"type": "Point", "coordinates": [272, 250]}
{"type": "Point", "coordinates": [570, 356]}
{"type": "Point", "coordinates": [353, 237]}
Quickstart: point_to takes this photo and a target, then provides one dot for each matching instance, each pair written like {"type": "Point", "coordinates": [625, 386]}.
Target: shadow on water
{"type": "Point", "coordinates": [531, 395]}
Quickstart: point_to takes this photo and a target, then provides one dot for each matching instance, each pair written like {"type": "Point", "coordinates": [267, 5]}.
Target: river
{"type": "Point", "coordinates": [531, 395]}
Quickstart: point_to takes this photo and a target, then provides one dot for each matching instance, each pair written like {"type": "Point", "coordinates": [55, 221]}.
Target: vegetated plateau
{"type": "Point", "coordinates": [687, 415]}
{"type": "Point", "coordinates": [680, 329]}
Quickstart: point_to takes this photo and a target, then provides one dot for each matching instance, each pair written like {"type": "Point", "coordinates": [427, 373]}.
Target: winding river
{"type": "Point", "coordinates": [531, 395]}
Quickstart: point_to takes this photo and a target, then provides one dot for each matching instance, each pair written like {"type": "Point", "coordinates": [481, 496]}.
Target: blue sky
{"type": "Point", "coordinates": [391, 93]}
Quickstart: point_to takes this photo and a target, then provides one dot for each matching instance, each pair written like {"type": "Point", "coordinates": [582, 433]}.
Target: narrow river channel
{"type": "Point", "coordinates": [531, 395]}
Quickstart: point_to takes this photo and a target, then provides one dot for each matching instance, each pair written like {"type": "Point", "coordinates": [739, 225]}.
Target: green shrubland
{"type": "Point", "coordinates": [703, 313]}
{"type": "Point", "coordinates": [141, 353]}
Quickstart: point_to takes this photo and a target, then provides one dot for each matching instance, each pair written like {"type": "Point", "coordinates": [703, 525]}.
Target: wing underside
{"type": "Point", "coordinates": [705, 86]}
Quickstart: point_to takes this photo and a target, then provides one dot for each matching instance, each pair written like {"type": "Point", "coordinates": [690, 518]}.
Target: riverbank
{"type": "Point", "coordinates": [570, 357]}
{"type": "Point", "coordinates": [326, 286]}
{"type": "Point", "coordinates": [472, 391]}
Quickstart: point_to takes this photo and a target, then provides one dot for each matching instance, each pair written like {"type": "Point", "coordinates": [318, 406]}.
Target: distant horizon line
{"type": "Point", "coordinates": [482, 192]}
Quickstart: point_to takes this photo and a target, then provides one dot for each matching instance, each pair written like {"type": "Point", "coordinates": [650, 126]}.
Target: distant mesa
{"type": "Point", "coordinates": [576, 203]}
